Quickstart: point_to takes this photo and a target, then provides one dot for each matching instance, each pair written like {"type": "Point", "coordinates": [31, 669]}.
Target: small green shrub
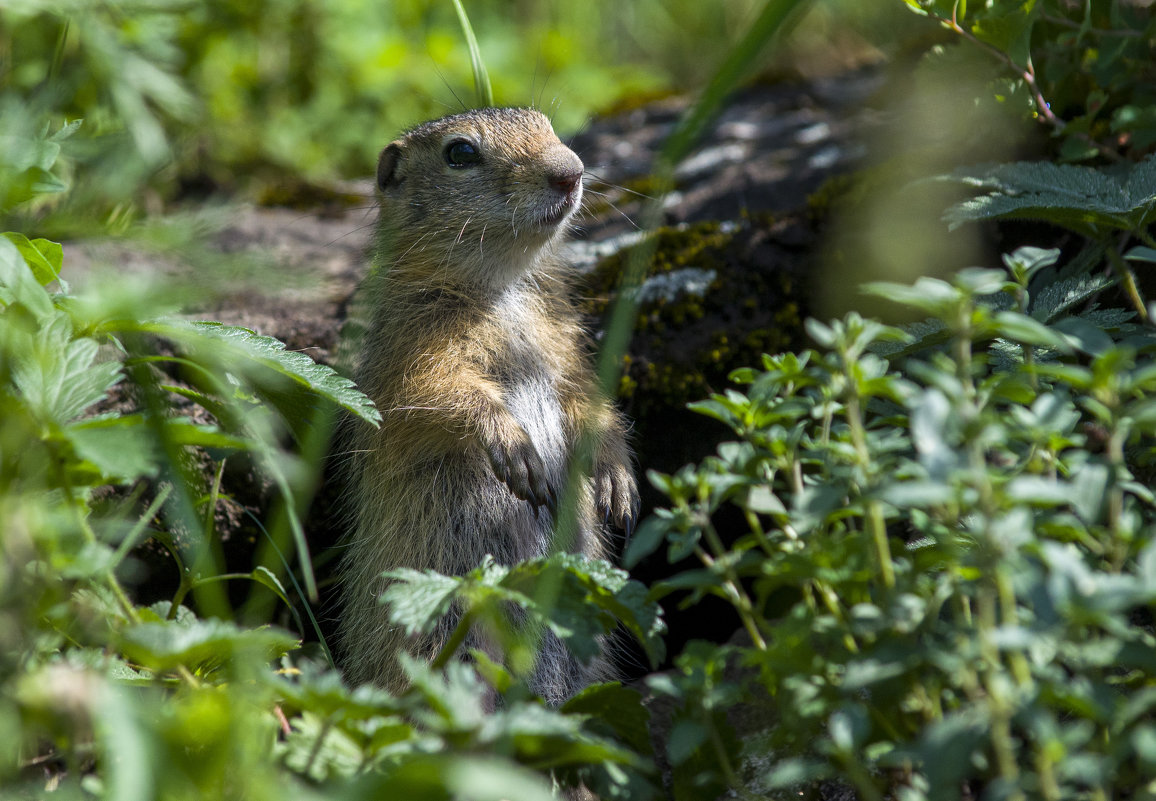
{"type": "Point", "coordinates": [1084, 70]}
{"type": "Point", "coordinates": [947, 577]}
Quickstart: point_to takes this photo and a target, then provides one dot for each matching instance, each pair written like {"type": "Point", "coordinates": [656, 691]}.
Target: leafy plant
{"type": "Point", "coordinates": [1110, 207]}
{"type": "Point", "coordinates": [945, 577]}
{"type": "Point", "coordinates": [1082, 69]}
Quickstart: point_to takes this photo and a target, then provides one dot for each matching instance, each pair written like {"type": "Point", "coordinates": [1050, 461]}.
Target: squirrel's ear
{"type": "Point", "coordinates": [387, 164]}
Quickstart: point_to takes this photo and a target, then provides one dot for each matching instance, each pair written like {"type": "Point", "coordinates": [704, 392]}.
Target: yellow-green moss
{"type": "Point", "coordinates": [675, 354]}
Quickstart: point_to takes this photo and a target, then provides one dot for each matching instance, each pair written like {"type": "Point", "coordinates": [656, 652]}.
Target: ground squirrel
{"type": "Point", "coordinates": [479, 365]}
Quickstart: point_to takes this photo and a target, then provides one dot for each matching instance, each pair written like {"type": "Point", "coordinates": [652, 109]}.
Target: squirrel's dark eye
{"type": "Point", "coordinates": [462, 154]}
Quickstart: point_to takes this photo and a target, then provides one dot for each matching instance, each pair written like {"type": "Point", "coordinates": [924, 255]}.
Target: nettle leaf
{"type": "Point", "coordinates": [580, 586]}
{"type": "Point", "coordinates": [245, 352]}
{"type": "Point", "coordinates": [418, 600]}
{"type": "Point", "coordinates": [324, 693]}
{"type": "Point", "coordinates": [1057, 298]}
{"type": "Point", "coordinates": [1083, 199]}
{"type": "Point", "coordinates": [551, 739]}
{"type": "Point", "coordinates": [59, 376]}
{"type": "Point", "coordinates": [921, 336]}
{"type": "Point", "coordinates": [579, 599]}
{"type": "Point", "coordinates": [320, 750]}
{"type": "Point", "coordinates": [201, 643]}
{"type": "Point", "coordinates": [121, 448]}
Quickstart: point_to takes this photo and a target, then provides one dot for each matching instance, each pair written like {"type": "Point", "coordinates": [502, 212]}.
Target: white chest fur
{"type": "Point", "coordinates": [529, 387]}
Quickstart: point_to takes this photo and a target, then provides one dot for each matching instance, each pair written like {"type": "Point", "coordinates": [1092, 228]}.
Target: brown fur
{"type": "Point", "coordinates": [477, 361]}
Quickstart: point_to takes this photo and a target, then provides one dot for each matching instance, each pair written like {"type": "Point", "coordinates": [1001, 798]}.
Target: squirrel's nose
{"type": "Point", "coordinates": [566, 182]}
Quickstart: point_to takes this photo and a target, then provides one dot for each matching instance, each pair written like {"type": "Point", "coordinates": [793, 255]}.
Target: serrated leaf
{"type": "Point", "coordinates": [243, 351]}
{"type": "Point", "coordinates": [1058, 297]}
{"type": "Point", "coordinates": [419, 599]}
{"type": "Point", "coordinates": [201, 643]}
{"type": "Point", "coordinates": [920, 336]}
{"type": "Point", "coordinates": [1083, 199]}
{"type": "Point", "coordinates": [579, 586]}
{"type": "Point", "coordinates": [60, 377]}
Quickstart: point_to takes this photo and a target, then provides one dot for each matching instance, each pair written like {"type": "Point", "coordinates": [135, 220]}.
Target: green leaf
{"type": "Point", "coordinates": [1010, 33]}
{"type": "Point", "coordinates": [18, 282]}
{"type": "Point", "coordinates": [201, 643]}
{"type": "Point", "coordinates": [686, 737]}
{"type": "Point", "coordinates": [646, 540]}
{"type": "Point", "coordinates": [1084, 199]}
{"type": "Point", "coordinates": [43, 256]}
{"type": "Point", "coordinates": [1084, 336]}
{"type": "Point", "coordinates": [959, 734]}
{"type": "Point", "coordinates": [485, 93]}
{"type": "Point", "coordinates": [1059, 297]}
{"type": "Point", "coordinates": [438, 777]}
{"type": "Point", "coordinates": [125, 447]}
{"type": "Point", "coordinates": [1141, 253]}
{"type": "Point", "coordinates": [1025, 262]}
{"type": "Point", "coordinates": [579, 587]}
{"type": "Point", "coordinates": [118, 726]}
{"type": "Point", "coordinates": [242, 351]}
{"type": "Point", "coordinates": [917, 494]}
{"type": "Point", "coordinates": [1038, 491]}
{"type": "Point", "coordinates": [615, 708]}
{"type": "Point", "coordinates": [762, 499]}
{"type": "Point", "coordinates": [1026, 330]}
{"type": "Point", "coordinates": [121, 448]}
{"type": "Point", "coordinates": [418, 600]}
{"type": "Point", "coordinates": [931, 295]}
{"type": "Point", "coordinates": [60, 377]}
{"type": "Point", "coordinates": [795, 772]}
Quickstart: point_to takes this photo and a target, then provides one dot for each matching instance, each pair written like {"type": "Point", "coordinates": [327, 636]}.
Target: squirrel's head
{"type": "Point", "coordinates": [476, 197]}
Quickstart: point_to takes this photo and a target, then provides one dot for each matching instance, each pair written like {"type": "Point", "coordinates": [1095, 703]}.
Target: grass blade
{"type": "Point", "coordinates": [485, 93]}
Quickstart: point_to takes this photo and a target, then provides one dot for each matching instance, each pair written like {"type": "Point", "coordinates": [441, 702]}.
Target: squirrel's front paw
{"type": "Point", "coordinates": [616, 495]}
{"type": "Point", "coordinates": [519, 466]}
